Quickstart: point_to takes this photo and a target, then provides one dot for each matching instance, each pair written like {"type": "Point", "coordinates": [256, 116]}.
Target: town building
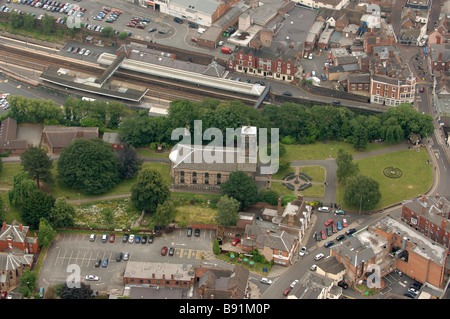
{"type": "Point", "coordinates": [58, 137]}
{"type": "Point", "coordinates": [440, 57]}
{"type": "Point", "coordinates": [392, 90]}
{"type": "Point", "coordinates": [216, 283]}
{"type": "Point", "coordinates": [17, 253]}
{"type": "Point", "coordinates": [8, 138]}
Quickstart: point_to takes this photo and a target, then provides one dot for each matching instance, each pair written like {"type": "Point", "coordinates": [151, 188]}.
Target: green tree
{"type": "Point", "coordinates": [165, 213]}
{"type": "Point", "coordinates": [227, 211]}
{"type": "Point", "coordinates": [362, 191]}
{"type": "Point", "coordinates": [268, 196]}
{"type": "Point", "coordinates": [38, 205]}
{"type": "Point", "coordinates": [46, 233]}
{"type": "Point", "coordinates": [29, 22]}
{"type": "Point", "coordinates": [28, 283]}
{"type": "Point", "coordinates": [123, 35]}
{"type": "Point", "coordinates": [62, 214]}
{"type": "Point", "coordinates": [241, 187]}
{"type": "Point", "coordinates": [360, 138]}
{"type": "Point", "coordinates": [48, 24]}
{"type": "Point", "coordinates": [23, 186]}
{"type": "Point", "coordinates": [88, 165]}
{"type": "Point", "coordinates": [149, 191]}
{"type": "Point", "coordinates": [346, 168]}
{"type": "Point", "coordinates": [216, 247]}
{"type": "Point", "coordinates": [129, 162]}
{"type": "Point", "coordinates": [107, 32]}
{"type": "Point", "coordinates": [38, 165]}
{"type": "Point", "coordinates": [83, 292]}
{"type": "Point", "coordinates": [15, 20]}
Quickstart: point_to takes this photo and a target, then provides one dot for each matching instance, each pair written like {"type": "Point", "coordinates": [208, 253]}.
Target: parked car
{"type": "Point", "coordinates": [105, 263]}
{"type": "Point", "coordinates": [126, 256]}
{"type": "Point", "coordinates": [323, 209]}
{"type": "Point", "coordinates": [131, 239]}
{"type": "Point", "coordinates": [189, 232]}
{"type": "Point", "coordinates": [409, 295]}
{"type": "Point", "coordinates": [295, 282]}
{"type": "Point", "coordinates": [417, 285]}
{"type": "Point", "coordinates": [119, 256]}
{"type": "Point", "coordinates": [286, 291]}
{"type": "Point", "coordinates": [339, 212]}
{"type": "Point", "coordinates": [125, 238]}
{"type": "Point", "coordinates": [112, 238]}
{"type": "Point", "coordinates": [339, 225]}
{"type": "Point", "coordinates": [329, 244]}
{"type": "Point", "coordinates": [171, 251]}
{"type": "Point", "coordinates": [343, 284]}
{"type": "Point", "coordinates": [318, 237]}
{"type": "Point", "coordinates": [287, 93]}
{"type": "Point", "coordinates": [178, 20]}
{"type": "Point", "coordinates": [340, 237]}
{"type": "Point", "coordinates": [302, 251]}
{"type": "Point", "coordinates": [313, 267]}
{"type": "Point", "coordinates": [329, 232]}
{"type": "Point", "coordinates": [151, 30]}
{"type": "Point", "coordinates": [91, 278]}
{"type": "Point", "coordinates": [319, 256]}
{"type": "Point", "coordinates": [138, 239]}
{"type": "Point", "coordinates": [324, 236]}
{"type": "Point", "coordinates": [329, 222]}
{"type": "Point", "coordinates": [92, 237]}
{"type": "Point", "coordinates": [150, 239]}
{"type": "Point", "coordinates": [98, 263]}
{"type": "Point", "coordinates": [344, 222]}
{"type": "Point", "coordinates": [164, 251]}
{"type": "Point", "coordinates": [161, 32]}
{"type": "Point", "coordinates": [235, 241]}
{"type": "Point", "coordinates": [266, 281]}
{"type": "Point", "coordinates": [334, 228]}
{"type": "Point", "coordinates": [351, 231]}
{"type": "Point", "coordinates": [310, 56]}
{"type": "Point", "coordinates": [104, 238]}
{"type": "Point", "coordinates": [335, 102]}
{"type": "Point", "coordinates": [422, 89]}
{"type": "Point", "coordinates": [197, 232]}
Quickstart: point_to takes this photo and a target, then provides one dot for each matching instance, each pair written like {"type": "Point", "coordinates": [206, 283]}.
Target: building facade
{"type": "Point", "coordinates": [392, 91]}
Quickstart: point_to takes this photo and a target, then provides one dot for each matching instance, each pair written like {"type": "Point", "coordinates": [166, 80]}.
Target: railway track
{"type": "Point", "coordinates": [158, 87]}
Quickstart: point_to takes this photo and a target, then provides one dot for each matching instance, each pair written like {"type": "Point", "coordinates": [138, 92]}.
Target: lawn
{"type": "Point", "coordinates": [316, 190]}
{"type": "Point", "coordinates": [417, 176]}
{"type": "Point", "coordinates": [8, 172]}
{"type": "Point", "coordinates": [146, 152]}
{"type": "Point", "coordinates": [317, 173]}
{"type": "Point", "coordinates": [320, 150]}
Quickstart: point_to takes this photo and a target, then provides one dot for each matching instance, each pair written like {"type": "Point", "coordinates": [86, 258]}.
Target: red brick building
{"type": "Point", "coordinates": [262, 63]}
{"type": "Point", "coordinates": [440, 57]}
{"type": "Point", "coordinates": [430, 216]}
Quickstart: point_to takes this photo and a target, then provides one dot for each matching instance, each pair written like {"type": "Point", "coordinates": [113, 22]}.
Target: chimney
{"type": "Point", "coordinates": [4, 225]}
{"type": "Point", "coordinates": [424, 199]}
{"type": "Point", "coordinates": [268, 232]}
{"type": "Point", "coordinates": [440, 204]}
{"type": "Point", "coordinates": [436, 196]}
{"type": "Point", "coordinates": [21, 227]}
{"type": "Point", "coordinates": [279, 208]}
{"type": "Point", "coordinates": [443, 223]}
{"type": "Point", "coordinates": [440, 57]}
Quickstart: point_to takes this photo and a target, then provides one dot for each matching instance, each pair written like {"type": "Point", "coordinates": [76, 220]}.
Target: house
{"type": "Point", "coordinates": [8, 138]}
{"type": "Point", "coordinates": [392, 90]}
{"type": "Point", "coordinates": [171, 275]}
{"type": "Point", "coordinates": [329, 4]}
{"type": "Point", "coordinates": [216, 283]}
{"type": "Point", "coordinates": [314, 286]}
{"type": "Point", "coordinates": [429, 216]}
{"type": "Point", "coordinates": [358, 83]}
{"type": "Point", "coordinates": [440, 57]}
{"type": "Point", "coordinates": [384, 36]}
{"type": "Point", "coordinates": [58, 137]}
{"type": "Point", "coordinates": [331, 268]}
{"type": "Point", "coordinates": [17, 253]}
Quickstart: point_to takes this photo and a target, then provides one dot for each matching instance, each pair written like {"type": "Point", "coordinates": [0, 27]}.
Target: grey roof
{"type": "Point", "coordinates": [311, 286]}
{"type": "Point", "coordinates": [440, 48]}
{"type": "Point", "coordinates": [344, 68]}
{"type": "Point", "coordinates": [12, 261]}
{"type": "Point", "coordinates": [331, 265]}
{"type": "Point", "coordinates": [354, 251]}
{"type": "Point", "coordinates": [205, 6]}
{"type": "Point", "coordinates": [359, 78]}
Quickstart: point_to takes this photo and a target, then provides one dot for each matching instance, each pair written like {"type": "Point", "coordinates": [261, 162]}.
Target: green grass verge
{"type": "Point", "coordinates": [317, 173]}
{"type": "Point", "coordinates": [417, 176]}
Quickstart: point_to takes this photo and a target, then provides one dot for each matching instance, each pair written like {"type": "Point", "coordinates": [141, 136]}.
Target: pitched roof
{"type": "Point", "coordinates": [8, 135]}
{"type": "Point", "coordinates": [62, 136]}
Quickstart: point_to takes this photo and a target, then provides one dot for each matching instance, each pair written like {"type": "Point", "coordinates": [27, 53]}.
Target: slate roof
{"type": "Point", "coordinates": [354, 251]}
{"type": "Point", "coordinates": [8, 135]}
{"type": "Point", "coordinates": [62, 136]}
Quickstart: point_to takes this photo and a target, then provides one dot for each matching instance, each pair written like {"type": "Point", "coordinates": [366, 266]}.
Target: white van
{"type": "Point", "coordinates": [201, 30]}
{"type": "Point", "coordinates": [324, 209]}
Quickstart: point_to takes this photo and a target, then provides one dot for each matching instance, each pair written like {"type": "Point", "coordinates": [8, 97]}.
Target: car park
{"type": "Point", "coordinates": [302, 251]}
{"type": "Point", "coordinates": [266, 281]}
{"type": "Point", "coordinates": [91, 278]}
{"type": "Point", "coordinates": [318, 256]}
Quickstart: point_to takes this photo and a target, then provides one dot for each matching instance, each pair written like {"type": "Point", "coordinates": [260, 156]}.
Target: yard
{"type": "Point", "coordinates": [416, 179]}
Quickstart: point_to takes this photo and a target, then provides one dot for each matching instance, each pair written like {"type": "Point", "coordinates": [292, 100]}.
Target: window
{"type": "Point", "coordinates": [194, 178]}
{"type": "Point", "coordinates": [378, 85]}
{"type": "Point", "coordinates": [219, 177]}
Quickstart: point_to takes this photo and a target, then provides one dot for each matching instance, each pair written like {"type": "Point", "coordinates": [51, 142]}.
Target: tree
{"type": "Point", "coordinates": [28, 283]}
{"type": "Point", "coordinates": [149, 191]}
{"type": "Point", "coordinates": [362, 191]}
{"type": "Point", "coordinates": [46, 233]}
{"type": "Point", "coordinates": [62, 214]}
{"type": "Point", "coordinates": [346, 167]}
{"type": "Point", "coordinates": [89, 166]}
{"type": "Point", "coordinates": [165, 213]}
{"type": "Point", "coordinates": [268, 196]}
{"type": "Point", "coordinates": [227, 211]}
{"type": "Point", "coordinates": [129, 162]}
{"type": "Point", "coordinates": [15, 20]}
{"type": "Point", "coordinates": [123, 35]}
{"type": "Point", "coordinates": [38, 165]}
{"type": "Point", "coordinates": [29, 22]}
{"type": "Point", "coordinates": [360, 138]}
{"type": "Point", "coordinates": [107, 32]}
{"type": "Point", "coordinates": [241, 187]}
{"type": "Point", "coordinates": [83, 292]}
{"type": "Point", "coordinates": [216, 247]}
{"type": "Point", "coordinates": [38, 205]}
{"type": "Point", "coordinates": [48, 24]}
{"type": "Point", "coordinates": [23, 186]}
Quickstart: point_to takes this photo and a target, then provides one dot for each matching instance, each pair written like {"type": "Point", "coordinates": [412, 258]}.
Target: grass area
{"type": "Point", "coordinates": [416, 179]}
{"type": "Point", "coordinates": [320, 150]}
{"type": "Point", "coordinates": [146, 152]}
{"type": "Point", "coordinates": [317, 173]}
{"type": "Point", "coordinates": [280, 174]}
{"type": "Point", "coordinates": [256, 268]}
{"type": "Point", "coordinates": [199, 213]}
{"type": "Point", "coordinates": [316, 190]}
{"type": "Point", "coordinates": [8, 172]}
{"type": "Point", "coordinates": [280, 189]}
